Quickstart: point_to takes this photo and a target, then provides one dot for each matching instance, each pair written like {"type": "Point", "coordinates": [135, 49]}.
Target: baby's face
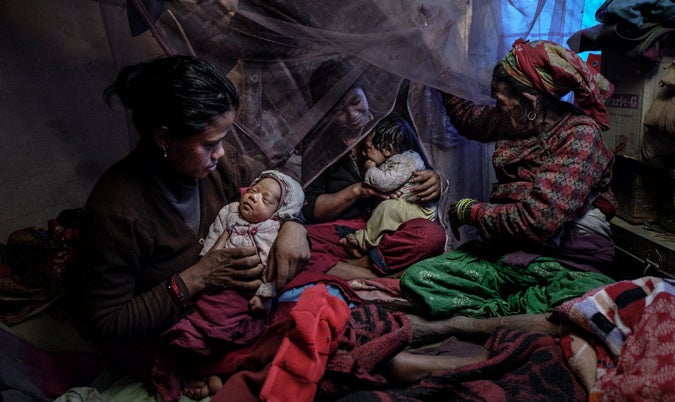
{"type": "Point", "coordinates": [260, 201]}
{"type": "Point", "coordinates": [373, 153]}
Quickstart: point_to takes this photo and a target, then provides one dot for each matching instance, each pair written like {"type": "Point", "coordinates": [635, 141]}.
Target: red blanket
{"type": "Point", "coordinates": [633, 326]}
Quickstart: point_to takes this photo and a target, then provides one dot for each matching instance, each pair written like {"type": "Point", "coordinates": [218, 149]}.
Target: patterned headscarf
{"type": "Point", "coordinates": [554, 70]}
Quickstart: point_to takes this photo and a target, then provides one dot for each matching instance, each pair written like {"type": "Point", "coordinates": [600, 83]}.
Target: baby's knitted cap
{"type": "Point", "coordinates": [292, 195]}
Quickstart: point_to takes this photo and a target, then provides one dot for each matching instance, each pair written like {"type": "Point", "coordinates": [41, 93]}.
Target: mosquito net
{"type": "Point", "coordinates": [400, 53]}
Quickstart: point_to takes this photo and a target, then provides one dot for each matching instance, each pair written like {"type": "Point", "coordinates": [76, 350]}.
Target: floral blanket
{"type": "Point", "coordinates": [632, 325]}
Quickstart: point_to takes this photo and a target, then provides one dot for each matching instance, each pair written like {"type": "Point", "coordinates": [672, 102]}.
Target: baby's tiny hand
{"type": "Point", "coordinates": [369, 164]}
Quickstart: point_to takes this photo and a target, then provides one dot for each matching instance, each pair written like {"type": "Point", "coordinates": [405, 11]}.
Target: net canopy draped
{"type": "Point", "coordinates": [400, 52]}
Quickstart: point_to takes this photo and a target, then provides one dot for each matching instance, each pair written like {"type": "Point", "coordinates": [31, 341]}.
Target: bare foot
{"type": "Point", "coordinates": [256, 306]}
{"type": "Point", "coordinates": [352, 246]}
{"type": "Point", "coordinates": [200, 389]}
{"type": "Point", "coordinates": [215, 383]}
{"type": "Point", "coordinates": [196, 389]}
{"type": "Point", "coordinates": [583, 361]}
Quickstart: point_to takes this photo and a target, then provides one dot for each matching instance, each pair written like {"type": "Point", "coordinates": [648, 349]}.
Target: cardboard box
{"type": "Point", "coordinates": [635, 86]}
{"type": "Point", "coordinates": [639, 190]}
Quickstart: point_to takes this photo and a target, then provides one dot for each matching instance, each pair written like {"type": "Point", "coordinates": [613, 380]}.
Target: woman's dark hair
{"type": "Point", "coordinates": [394, 131]}
{"type": "Point", "coordinates": [516, 88]}
{"type": "Point", "coordinates": [182, 93]}
{"type": "Point", "coordinates": [326, 76]}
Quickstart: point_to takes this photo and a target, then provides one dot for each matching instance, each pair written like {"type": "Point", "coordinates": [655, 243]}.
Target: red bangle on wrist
{"type": "Point", "coordinates": [176, 293]}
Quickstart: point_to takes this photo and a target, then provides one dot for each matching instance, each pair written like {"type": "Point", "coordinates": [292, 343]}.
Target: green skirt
{"type": "Point", "coordinates": [462, 283]}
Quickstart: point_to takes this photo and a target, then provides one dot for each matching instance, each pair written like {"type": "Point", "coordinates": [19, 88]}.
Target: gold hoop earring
{"type": "Point", "coordinates": [531, 116]}
{"type": "Point", "coordinates": [165, 150]}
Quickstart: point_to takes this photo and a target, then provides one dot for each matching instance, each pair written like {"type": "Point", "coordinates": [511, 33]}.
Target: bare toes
{"type": "Point", "coordinates": [214, 384]}
{"type": "Point", "coordinates": [196, 389]}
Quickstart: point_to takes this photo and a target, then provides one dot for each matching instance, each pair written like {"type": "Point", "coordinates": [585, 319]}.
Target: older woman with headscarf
{"type": "Point", "coordinates": [545, 236]}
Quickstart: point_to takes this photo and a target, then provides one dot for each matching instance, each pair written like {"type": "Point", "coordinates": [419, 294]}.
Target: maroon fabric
{"type": "Point", "coordinates": [227, 358]}
{"type": "Point", "coordinates": [382, 330]}
{"type": "Point", "coordinates": [255, 355]}
{"type": "Point", "coordinates": [242, 387]}
{"type": "Point", "coordinates": [171, 366]}
{"type": "Point", "coordinates": [219, 318]}
{"type": "Point", "coordinates": [325, 241]}
{"type": "Point", "coordinates": [413, 241]}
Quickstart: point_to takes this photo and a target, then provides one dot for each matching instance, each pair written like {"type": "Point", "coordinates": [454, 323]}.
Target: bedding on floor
{"type": "Point", "coordinates": [628, 327]}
